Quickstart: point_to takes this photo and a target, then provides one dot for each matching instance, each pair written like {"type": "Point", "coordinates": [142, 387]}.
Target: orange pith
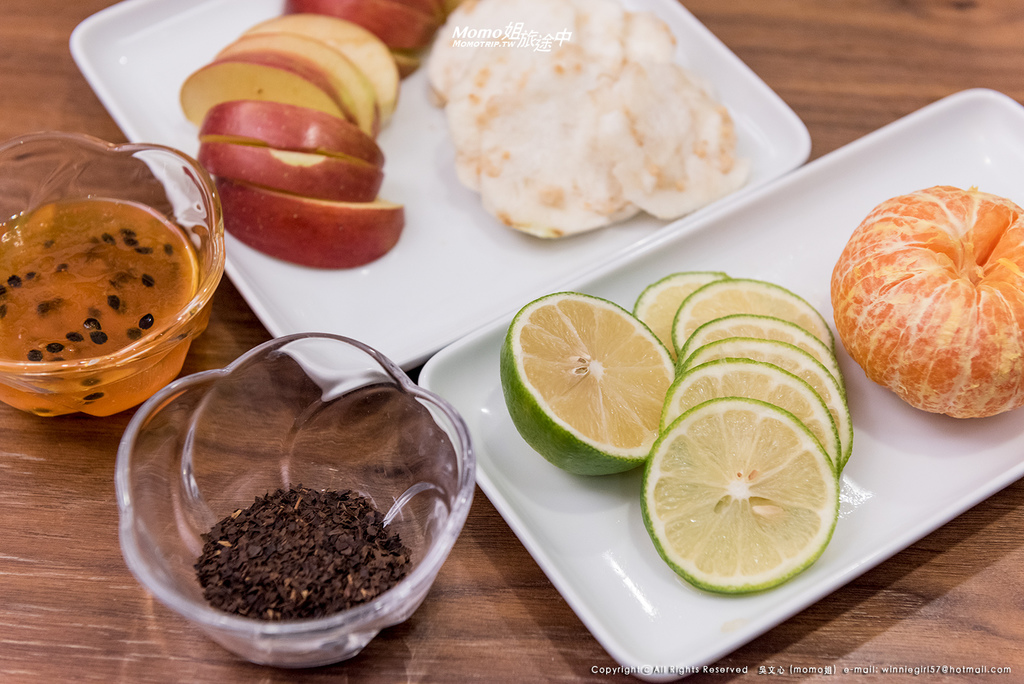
{"type": "Point", "coordinates": [928, 297]}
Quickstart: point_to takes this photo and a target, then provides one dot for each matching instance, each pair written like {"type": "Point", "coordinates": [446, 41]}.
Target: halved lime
{"type": "Point", "coordinates": [754, 380]}
{"type": "Point", "coordinates": [658, 303]}
{"type": "Point", "coordinates": [792, 359]}
{"type": "Point", "coordinates": [743, 295]}
{"type": "Point", "coordinates": [738, 496]}
{"type": "Point", "coordinates": [584, 382]}
{"type": "Point", "coordinates": [767, 328]}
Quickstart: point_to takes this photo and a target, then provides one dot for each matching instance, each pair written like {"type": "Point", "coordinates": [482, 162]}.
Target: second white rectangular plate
{"type": "Point", "coordinates": [455, 267]}
{"type": "Point", "coordinates": [910, 471]}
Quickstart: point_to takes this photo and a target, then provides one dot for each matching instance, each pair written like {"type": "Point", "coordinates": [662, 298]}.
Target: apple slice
{"type": "Point", "coordinates": [358, 99]}
{"type": "Point", "coordinates": [407, 61]}
{"type": "Point", "coordinates": [287, 127]}
{"type": "Point", "coordinates": [274, 77]}
{"type": "Point", "coordinates": [398, 25]}
{"type": "Point", "coordinates": [302, 173]}
{"type": "Point", "coordinates": [365, 50]}
{"type": "Point", "coordinates": [307, 231]}
{"type": "Point", "coordinates": [432, 7]}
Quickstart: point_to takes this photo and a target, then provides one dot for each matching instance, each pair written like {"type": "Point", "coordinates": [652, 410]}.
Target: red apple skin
{"type": "Point", "coordinates": [302, 173]}
{"type": "Point", "coordinates": [396, 24]}
{"type": "Point", "coordinates": [432, 7]}
{"type": "Point", "coordinates": [356, 96]}
{"type": "Point", "coordinates": [288, 127]}
{"type": "Point", "coordinates": [310, 232]}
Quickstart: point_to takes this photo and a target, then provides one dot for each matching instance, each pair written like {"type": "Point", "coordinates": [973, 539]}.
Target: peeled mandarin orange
{"type": "Point", "coordinates": [928, 297]}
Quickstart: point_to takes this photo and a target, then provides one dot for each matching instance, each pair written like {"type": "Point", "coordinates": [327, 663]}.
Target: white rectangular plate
{"type": "Point", "coordinates": [455, 267]}
{"type": "Point", "coordinates": [910, 471]}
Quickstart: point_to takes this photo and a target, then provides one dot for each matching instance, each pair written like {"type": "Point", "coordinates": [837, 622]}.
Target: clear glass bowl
{"type": "Point", "coordinates": [42, 168]}
{"type": "Point", "coordinates": [317, 410]}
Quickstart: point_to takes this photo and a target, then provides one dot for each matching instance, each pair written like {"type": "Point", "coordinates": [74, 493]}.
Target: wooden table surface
{"type": "Point", "coordinates": [71, 611]}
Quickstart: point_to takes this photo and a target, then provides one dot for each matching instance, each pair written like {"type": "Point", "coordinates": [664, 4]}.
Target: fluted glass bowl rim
{"type": "Point", "coordinates": [209, 278]}
{"type": "Point", "coordinates": [370, 616]}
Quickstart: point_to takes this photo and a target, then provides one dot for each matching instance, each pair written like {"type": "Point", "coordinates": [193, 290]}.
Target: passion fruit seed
{"type": "Point", "coordinates": [114, 302]}
{"type": "Point", "coordinates": [148, 280]}
{"type": "Point", "coordinates": [120, 279]}
{"type": "Point", "coordinates": [74, 336]}
{"type": "Point", "coordinates": [35, 355]}
{"type": "Point", "coordinates": [14, 281]}
{"type": "Point", "coordinates": [55, 347]}
{"type": "Point", "coordinates": [133, 333]}
{"type": "Point", "coordinates": [91, 324]}
{"type": "Point", "coordinates": [146, 322]}
{"type": "Point", "coordinates": [98, 336]}
{"type": "Point", "coordinates": [108, 238]}
{"type": "Point", "coordinates": [93, 397]}
{"type": "Point", "coordinates": [47, 305]}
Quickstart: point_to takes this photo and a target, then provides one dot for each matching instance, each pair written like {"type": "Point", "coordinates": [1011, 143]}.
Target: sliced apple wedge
{"type": "Point", "coordinates": [288, 127]}
{"type": "Point", "coordinates": [267, 77]}
{"type": "Point", "coordinates": [407, 61]}
{"type": "Point", "coordinates": [450, 5]}
{"type": "Point", "coordinates": [310, 232]}
{"type": "Point", "coordinates": [366, 50]}
{"type": "Point", "coordinates": [398, 25]}
{"type": "Point", "coordinates": [358, 98]}
{"type": "Point", "coordinates": [302, 173]}
{"type": "Point", "coordinates": [432, 7]}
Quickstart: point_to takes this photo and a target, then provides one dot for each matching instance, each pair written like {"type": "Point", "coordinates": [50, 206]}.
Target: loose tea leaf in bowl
{"type": "Point", "coordinates": [300, 553]}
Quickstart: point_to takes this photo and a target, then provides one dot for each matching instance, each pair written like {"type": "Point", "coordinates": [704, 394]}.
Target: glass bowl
{"type": "Point", "coordinates": [314, 410]}
{"type": "Point", "coordinates": [40, 169]}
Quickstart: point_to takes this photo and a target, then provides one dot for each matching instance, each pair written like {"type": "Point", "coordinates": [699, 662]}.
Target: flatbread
{"type": "Point", "coordinates": [565, 136]}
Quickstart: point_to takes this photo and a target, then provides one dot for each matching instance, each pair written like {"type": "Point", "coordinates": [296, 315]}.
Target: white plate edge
{"type": "Point", "coordinates": [942, 107]}
{"type": "Point", "coordinates": [785, 115]}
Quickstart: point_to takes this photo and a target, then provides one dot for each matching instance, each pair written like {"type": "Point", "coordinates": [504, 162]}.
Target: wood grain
{"type": "Point", "coordinates": [70, 610]}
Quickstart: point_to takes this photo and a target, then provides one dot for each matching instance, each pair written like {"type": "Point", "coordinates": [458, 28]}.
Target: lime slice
{"type": "Point", "coordinates": [766, 328]}
{"type": "Point", "coordinates": [754, 380]}
{"type": "Point", "coordinates": [740, 295]}
{"type": "Point", "coordinates": [793, 359]}
{"type": "Point", "coordinates": [738, 496]}
{"type": "Point", "coordinates": [658, 303]}
{"type": "Point", "coordinates": [584, 382]}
